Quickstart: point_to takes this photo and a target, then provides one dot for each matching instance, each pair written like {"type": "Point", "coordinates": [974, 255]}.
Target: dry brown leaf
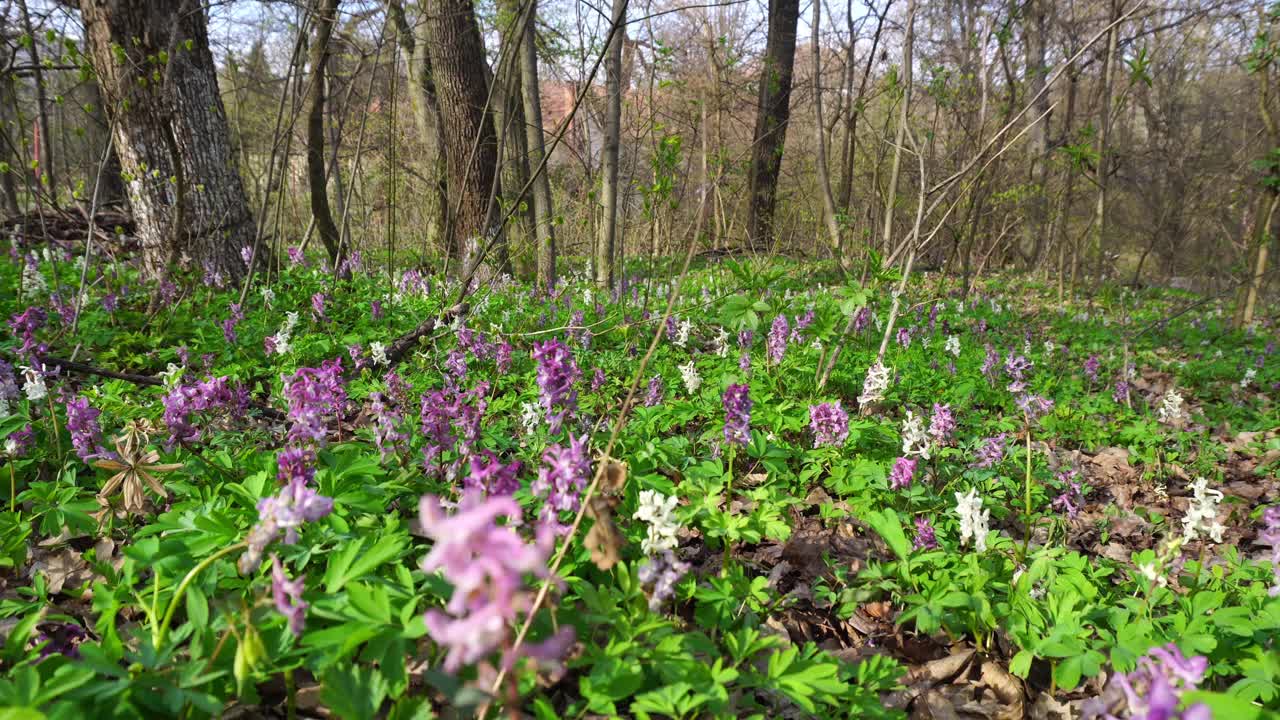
{"type": "Point", "coordinates": [603, 540]}
{"type": "Point", "coordinates": [1007, 689]}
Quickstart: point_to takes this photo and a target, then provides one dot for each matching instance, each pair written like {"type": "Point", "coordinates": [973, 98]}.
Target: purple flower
{"type": "Point", "coordinates": [486, 563]}
{"type": "Point", "coordinates": [1070, 500]}
{"type": "Point", "coordinates": [456, 364]}
{"type": "Point", "coordinates": [1035, 406]}
{"type": "Point", "coordinates": [110, 303]}
{"type": "Point", "coordinates": [502, 357]}
{"type": "Point", "coordinates": [1017, 367]}
{"type": "Point", "coordinates": [660, 573]}
{"type": "Point", "coordinates": [564, 475]}
{"type": "Point", "coordinates": [861, 319]}
{"type": "Point", "coordinates": [829, 423]}
{"type": "Point", "coordinates": [557, 372]}
{"type": "Point", "coordinates": [491, 477]}
{"type": "Point", "coordinates": [1153, 690]}
{"type": "Point", "coordinates": [989, 364]}
{"type": "Point", "coordinates": [1121, 392]}
{"type": "Point", "coordinates": [597, 380]}
{"type": "Point", "coordinates": [744, 364]}
{"type": "Point", "coordinates": [246, 254]}
{"type": "Point", "coordinates": [902, 473]}
{"type": "Point", "coordinates": [375, 310]}
{"type": "Point", "coordinates": [184, 403]}
{"type": "Point", "coordinates": [287, 596]}
{"type": "Point", "coordinates": [942, 425]}
{"type": "Point", "coordinates": [387, 434]}
{"type": "Point", "coordinates": [744, 339]}
{"type": "Point", "coordinates": [317, 399]}
{"type": "Point", "coordinates": [776, 345]}
{"type": "Point", "coordinates": [653, 396]}
{"type": "Point", "coordinates": [1091, 367]}
{"type": "Point", "coordinates": [904, 337]}
{"type": "Point", "coordinates": [1271, 536]}
{"type": "Point", "coordinates": [737, 415]}
{"type": "Point", "coordinates": [19, 441]}
{"type": "Point", "coordinates": [24, 325]}
{"type": "Point", "coordinates": [317, 306]}
{"type": "Point", "coordinates": [296, 257]}
{"type": "Point", "coordinates": [82, 425]}
{"type": "Point", "coordinates": [926, 538]}
{"type": "Point", "coordinates": [287, 511]}
{"type": "Point", "coordinates": [992, 451]}
{"type": "Point", "coordinates": [58, 638]}
{"type": "Point", "coordinates": [671, 328]}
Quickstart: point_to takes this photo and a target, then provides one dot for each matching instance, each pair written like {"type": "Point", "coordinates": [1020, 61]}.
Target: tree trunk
{"type": "Point", "coordinates": [470, 145]}
{"type": "Point", "coordinates": [509, 120]}
{"type": "Point", "coordinates": [426, 116]}
{"type": "Point", "coordinates": [324, 13]}
{"type": "Point", "coordinates": [773, 111]}
{"type": "Point", "coordinates": [171, 133]}
{"type": "Point", "coordinates": [609, 156]}
{"type": "Point", "coordinates": [1038, 136]}
{"type": "Point", "coordinates": [904, 114]}
{"type": "Point", "coordinates": [44, 146]}
{"type": "Point", "coordinates": [543, 213]}
{"type": "Point", "coordinates": [824, 177]}
{"type": "Point", "coordinates": [1104, 148]}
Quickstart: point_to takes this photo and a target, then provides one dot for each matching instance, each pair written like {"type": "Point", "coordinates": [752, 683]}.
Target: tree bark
{"type": "Point", "coordinates": [543, 213]}
{"type": "Point", "coordinates": [470, 145]}
{"type": "Point", "coordinates": [605, 244]}
{"type": "Point", "coordinates": [325, 14]}
{"type": "Point", "coordinates": [773, 111]}
{"type": "Point", "coordinates": [1104, 146]}
{"type": "Point", "coordinates": [824, 176]}
{"type": "Point", "coordinates": [1035, 23]}
{"type": "Point", "coordinates": [426, 116]}
{"type": "Point", "coordinates": [904, 114]}
{"type": "Point", "coordinates": [158, 80]}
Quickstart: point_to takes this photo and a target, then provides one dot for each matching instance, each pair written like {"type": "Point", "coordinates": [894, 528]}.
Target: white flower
{"type": "Point", "coordinates": [268, 295]}
{"type": "Point", "coordinates": [689, 373]}
{"type": "Point", "coordinates": [171, 374]}
{"type": "Point", "coordinates": [924, 342]}
{"type": "Point", "coordinates": [290, 321]}
{"type": "Point", "coordinates": [34, 385]}
{"type": "Point", "coordinates": [282, 343]}
{"type": "Point", "coordinates": [817, 344]}
{"type": "Point", "coordinates": [682, 333]}
{"type": "Point", "coordinates": [1249, 376]}
{"type": "Point", "coordinates": [960, 307]}
{"type": "Point", "coordinates": [953, 345]}
{"type": "Point", "coordinates": [439, 325]}
{"type": "Point", "coordinates": [530, 416]}
{"type": "Point", "coordinates": [1049, 347]}
{"type": "Point", "coordinates": [722, 342]}
{"type": "Point", "coordinates": [1170, 409]}
{"type": "Point", "coordinates": [378, 352]}
{"type": "Point", "coordinates": [874, 386]}
{"type": "Point", "coordinates": [1202, 515]}
{"type": "Point", "coordinates": [1026, 347]}
{"type": "Point", "coordinates": [33, 280]}
{"type": "Point", "coordinates": [10, 447]}
{"type": "Point", "coordinates": [973, 519]}
{"type": "Point", "coordinates": [915, 441]}
{"type": "Point", "coordinates": [658, 511]}
{"type": "Point", "coordinates": [1152, 574]}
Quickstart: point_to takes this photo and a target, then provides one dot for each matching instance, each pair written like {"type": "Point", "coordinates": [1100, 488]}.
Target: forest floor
{"type": "Point", "coordinates": [1027, 508]}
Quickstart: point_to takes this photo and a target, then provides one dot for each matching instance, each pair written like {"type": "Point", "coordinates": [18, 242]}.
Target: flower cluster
{"type": "Point", "coordinates": [992, 451]}
{"type": "Point", "coordinates": [1202, 516]}
{"type": "Point", "coordinates": [776, 345]}
{"type": "Point", "coordinates": [490, 476]}
{"type": "Point", "coordinates": [737, 415]}
{"type": "Point", "coordinates": [183, 404]}
{"type": "Point", "coordinates": [279, 344]}
{"type": "Point", "coordinates": [82, 425]}
{"type": "Point", "coordinates": [1017, 367]}
{"type": "Point", "coordinates": [557, 372]}
{"type": "Point", "coordinates": [829, 424]}
{"type": "Point", "coordinates": [9, 391]}
{"type": "Point", "coordinates": [689, 374]}
{"type": "Point", "coordinates": [952, 345]}
{"type": "Point", "coordinates": [914, 439]}
{"type": "Point", "coordinates": [942, 424]}
{"type": "Point", "coordinates": [24, 326]}
{"type": "Point", "coordinates": [1170, 409]}
{"type": "Point", "coordinates": [1155, 687]}
{"type": "Point", "coordinates": [229, 324]}
{"type": "Point", "coordinates": [653, 395]}
{"type": "Point", "coordinates": [387, 434]}
{"type": "Point", "coordinates": [973, 519]}
{"type": "Point", "coordinates": [450, 419]}
{"type": "Point", "coordinates": [658, 511]}
{"type": "Point", "coordinates": [1091, 367]}
{"type": "Point", "coordinates": [902, 473]}
{"type": "Point", "coordinates": [876, 383]}
{"type": "Point", "coordinates": [486, 563]}
{"type": "Point", "coordinates": [926, 538]}
{"type": "Point", "coordinates": [1070, 500]}
{"type": "Point", "coordinates": [285, 512]}
{"type": "Point", "coordinates": [287, 597]}
{"type": "Point", "coordinates": [1271, 535]}
{"type": "Point", "coordinates": [317, 398]}
{"type": "Point", "coordinates": [563, 477]}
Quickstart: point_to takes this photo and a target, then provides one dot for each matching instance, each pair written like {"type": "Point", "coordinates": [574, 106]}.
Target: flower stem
{"type": "Point", "coordinates": [182, 589]}
{"type": "Point", "coordinates": [1026, 486]}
